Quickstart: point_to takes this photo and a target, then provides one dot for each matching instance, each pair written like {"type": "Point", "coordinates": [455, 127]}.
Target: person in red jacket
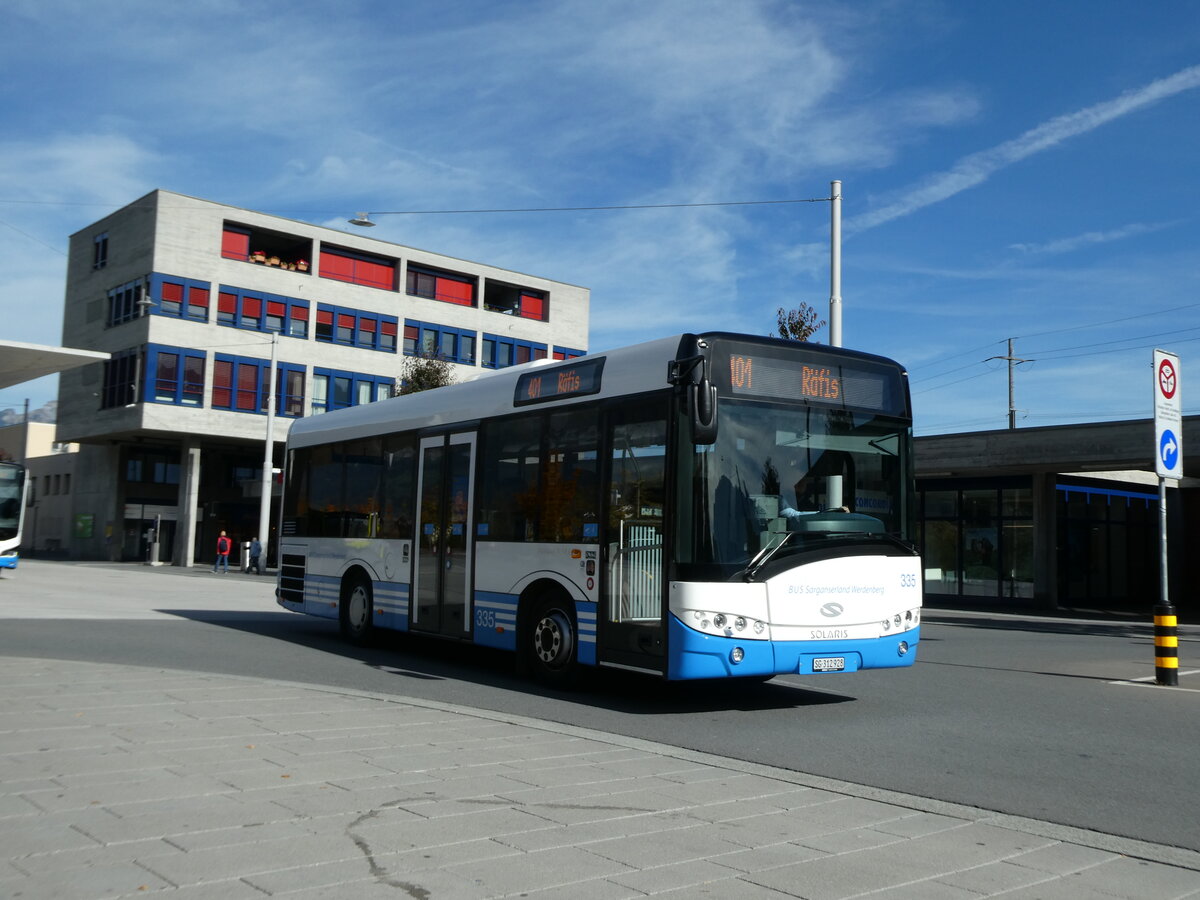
{"type": "Point", "coordinates": [222, 560]}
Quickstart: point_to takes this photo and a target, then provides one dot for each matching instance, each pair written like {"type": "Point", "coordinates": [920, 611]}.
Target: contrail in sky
{"type": "Point", "coordinates": [976, 168]}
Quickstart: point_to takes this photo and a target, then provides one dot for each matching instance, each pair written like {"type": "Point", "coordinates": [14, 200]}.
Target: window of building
{"type": "Point", "coordinates": [501, 352]}
{"type": "Point", "coordinates": [441, 341]}
{"type": "Point", "coordinates": [977, 540]}
{"type": "Point", "coordinates": [148, 466]}
{"type": "Point", "coordinates": [333, 389]}
{"type": "Point", "coordinates": [568, 353]}
{"type": "Point", "coordinates": [184, 298]}
{"type": "Point", "coordinates": [100, 250]}
{"type": "Point", "coordinates": [123, 303]}
{"type": "Point", "coordinates": [352, 328]}
{"type": "Point", "coordinates": [257, 311]}
{"type": "Point", "coordinates": [265, 247]}
{"type": "Point", "coordinates": [436, 284]}
{"type": "Point", "coordinates": [67, 483]}
{"type": "Point", "coordinates": [354, 267]}
{"type": "Point", "coordinates": [121, 376]}
{"type": "Point", "coordinates": [178, 375]}
{"type": "Point", "coordinates": [240, 384]}
{"type": "Point", "coordinates": [513, 300]}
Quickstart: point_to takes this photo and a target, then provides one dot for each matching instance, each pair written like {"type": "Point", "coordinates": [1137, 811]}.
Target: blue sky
{"type": "Point", "coordinates": [1009, 169]}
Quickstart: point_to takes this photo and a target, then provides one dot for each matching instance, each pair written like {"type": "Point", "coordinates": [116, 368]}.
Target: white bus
{"type": "Point", "coordinates": [700, 506]}
{"type": "Point", "coordinates": [13, 486]}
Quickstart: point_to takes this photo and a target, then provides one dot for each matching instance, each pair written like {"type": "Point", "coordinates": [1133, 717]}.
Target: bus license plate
{"type": "Point", "coordinates": [829, 663]}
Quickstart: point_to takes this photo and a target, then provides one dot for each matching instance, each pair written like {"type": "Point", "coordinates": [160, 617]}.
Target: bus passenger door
{"type": "Point", "coordinates": [631, 619]}
{"type": "Point", "coordinates": [442, 576]}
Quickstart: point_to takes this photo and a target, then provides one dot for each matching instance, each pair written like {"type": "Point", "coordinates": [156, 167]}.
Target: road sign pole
{"type": "Point", "coordinates": [1168, 451]}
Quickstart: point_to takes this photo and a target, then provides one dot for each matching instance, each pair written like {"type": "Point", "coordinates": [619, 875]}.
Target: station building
{"type": "Point", "coordinates": [193, 299]}
{"type": "Point", "coordinates": [1062, 517]}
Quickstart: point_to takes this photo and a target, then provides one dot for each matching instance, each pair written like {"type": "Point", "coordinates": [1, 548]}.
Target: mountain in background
{"type": "Point", "coordinates": [48, 413]}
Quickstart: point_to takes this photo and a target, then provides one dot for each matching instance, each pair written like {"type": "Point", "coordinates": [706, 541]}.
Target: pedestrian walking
{"type": "Point", "coordinates": [255, 557]}
{"type": "Point", "coordinates": [222, 560]}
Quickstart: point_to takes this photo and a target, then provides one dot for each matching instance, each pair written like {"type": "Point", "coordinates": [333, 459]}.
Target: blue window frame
{"type": "Point", "coordinates": [240, 384]}
{"type": "Point", "coordinates": [501, 352]}
{"type": "Point", "coordinates": [427, 339]}
{"type": "Point", "coordinates": [333, 389]}
{"type": "Point", "coordinates": [568, 352]}
{"type": "Point", "coordinates": [353, 328]}
{"type": "Point", "coordinates": [174, 375]}
{"type": "Point", "coordinates": [258, 311]}
{"type": "Point", "coordinates": [184, 298]}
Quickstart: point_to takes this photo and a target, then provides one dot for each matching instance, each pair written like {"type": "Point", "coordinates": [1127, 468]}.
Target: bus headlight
{"type": "Point", "coordinates": [902, 648]}
{"type": "Point", "coordinates": [719, 620]}
{"type": "Point", "coordinates": [736, 655]}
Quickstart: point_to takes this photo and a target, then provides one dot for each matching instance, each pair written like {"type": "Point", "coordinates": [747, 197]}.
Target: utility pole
{"type": "Point", "coordinates": [835, 264]}
{"type": "Point", "coordinates": [1012, 361]}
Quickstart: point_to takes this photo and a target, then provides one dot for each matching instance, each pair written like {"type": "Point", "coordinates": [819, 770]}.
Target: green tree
{"type": "Point", "coordinates": [424, 372]}
{"type": "Point", "coordinates": [798, 324]}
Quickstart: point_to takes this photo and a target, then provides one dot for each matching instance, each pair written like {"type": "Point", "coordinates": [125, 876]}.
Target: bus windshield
{"type": "Point", "coordinates": [779, 473]}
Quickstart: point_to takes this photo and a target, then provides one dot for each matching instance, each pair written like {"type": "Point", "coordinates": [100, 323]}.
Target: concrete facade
{"type": "Point", "coordinates": [165, 450]}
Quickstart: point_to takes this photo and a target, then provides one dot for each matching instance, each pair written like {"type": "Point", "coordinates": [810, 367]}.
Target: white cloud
{"type": "Point", "coordinates": [1091, 238]}
{"type": "Point", "coordinates": [977, 168]}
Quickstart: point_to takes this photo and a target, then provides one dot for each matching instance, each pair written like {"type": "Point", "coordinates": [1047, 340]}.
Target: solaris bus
{"type": "Point", "coordinates": [12, 512]}
{"type": "Point", "coordinates": [700, 506]}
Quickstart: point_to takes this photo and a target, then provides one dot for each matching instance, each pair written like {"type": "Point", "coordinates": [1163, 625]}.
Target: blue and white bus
{"type": "Point", "coordinates": [700, 506]}
{"type": "Point", "coordinates": [13, 486]}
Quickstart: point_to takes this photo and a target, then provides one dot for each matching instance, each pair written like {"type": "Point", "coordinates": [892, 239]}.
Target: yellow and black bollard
{"type": "Point", "coordinates": [1166, 646]}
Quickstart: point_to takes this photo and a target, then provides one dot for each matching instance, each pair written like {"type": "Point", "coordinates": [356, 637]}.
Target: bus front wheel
{"type": "Point", "coordinates": [551, 642]}
{"type": "Point", "coordinates": [357, 609]}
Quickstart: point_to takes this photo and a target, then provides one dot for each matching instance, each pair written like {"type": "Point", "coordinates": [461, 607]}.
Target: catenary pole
{"type": "Point", "coordinates": [268, 468]}
{"type": "Point", "coordinates": [835, 264]}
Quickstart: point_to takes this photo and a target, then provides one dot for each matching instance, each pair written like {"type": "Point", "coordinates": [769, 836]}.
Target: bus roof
{"type": "Point", "coordinates": [636, 369]}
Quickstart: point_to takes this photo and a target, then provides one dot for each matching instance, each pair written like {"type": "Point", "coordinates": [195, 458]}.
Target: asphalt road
{"type": "Point", "coordinates": [1033, 717]}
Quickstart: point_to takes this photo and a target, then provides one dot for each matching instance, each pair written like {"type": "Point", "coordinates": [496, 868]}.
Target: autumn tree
{"type": "Point", "coordinates": [798, 324]}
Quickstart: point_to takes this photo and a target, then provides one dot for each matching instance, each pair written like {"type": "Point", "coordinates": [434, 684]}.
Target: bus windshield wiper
{"type": "Point", "coordinates": [764, 556]}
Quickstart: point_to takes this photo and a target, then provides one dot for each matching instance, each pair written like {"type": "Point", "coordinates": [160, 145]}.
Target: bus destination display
{"type": "Point", "coordinates": [544, 385]}
{"type": "Point", "coordinates": [838, 385]}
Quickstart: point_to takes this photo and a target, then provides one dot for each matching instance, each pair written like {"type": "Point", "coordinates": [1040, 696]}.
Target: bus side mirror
{"type": "Point", "coordinates": [692, 375]}
{"type": "Point", "coordinates": [703, 405]}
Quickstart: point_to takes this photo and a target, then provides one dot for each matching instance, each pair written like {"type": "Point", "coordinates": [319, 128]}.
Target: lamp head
{"type": "Point", "coordinates": [362, 220]}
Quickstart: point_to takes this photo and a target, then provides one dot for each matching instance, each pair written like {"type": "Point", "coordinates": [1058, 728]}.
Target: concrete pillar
{"type": "Point", "coordinates": [189, 497]}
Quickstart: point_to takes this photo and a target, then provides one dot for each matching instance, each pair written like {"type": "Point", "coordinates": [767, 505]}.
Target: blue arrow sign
{"type": "Point", "coordinates": [1168, 449]}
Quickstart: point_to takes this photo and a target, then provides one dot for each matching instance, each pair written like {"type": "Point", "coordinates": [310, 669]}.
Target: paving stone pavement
{"type": "Point", "coordinates": [119, 781]}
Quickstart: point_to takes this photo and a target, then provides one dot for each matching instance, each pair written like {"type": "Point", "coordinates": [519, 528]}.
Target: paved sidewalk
{"type": "Point", "coordinates": [118, 781]}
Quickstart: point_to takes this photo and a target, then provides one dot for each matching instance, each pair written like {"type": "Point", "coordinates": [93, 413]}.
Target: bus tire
{"type": "Point", "coordinates": [357, 608]}
{"type": "Point", "coordinates": [551, 642]}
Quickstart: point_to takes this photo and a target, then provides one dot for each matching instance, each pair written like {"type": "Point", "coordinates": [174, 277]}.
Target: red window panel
{"type": "Point", "coordinates": [558, 354]}
{"type": "Point", "coordinates": [336, 266]}
{"type": "Point", "coordinates": [367, 326]}
{"type": "Point", "coordinates": [532, 307]}
{"type": "Point", "coordinates": [222, 394]}
{"type": "Point", "coordinates": [198, 296]}
{"type": "Point", "coordinates": [539, 353]}
{"type": "Point", "coordinates": [390, 328]}
{"type": "Point", "coordinates": [275, 308]}
{"type": "Point", "coordinates": [460, 292]}
{"type": "Point", "coordinates": [345, 321]}
{"type": "Point", "coordinates": [172, 292]}
{"type": "Point", "coordinates": [227, 303]}
{"type": "Point", "coordinates": [235, 245]}
{"type": "Point", "coordinates": [375, 274]}
{"type": "Point", "coordinates": [247, 386]}
{"type": "Point", "coordinates": [167, 377]}
{"type": "Point", "coordinates": [300, 313]}
{"type": "Point", "coordinates": [324, 317]}
{"type": "Point", "coordinates": [252, 307]}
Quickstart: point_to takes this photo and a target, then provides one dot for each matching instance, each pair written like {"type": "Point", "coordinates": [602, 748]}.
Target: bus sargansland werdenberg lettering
{"type": "Point", "coordinates": [12, 512]}
{"type": "Point", "coordinates": [699, 506]}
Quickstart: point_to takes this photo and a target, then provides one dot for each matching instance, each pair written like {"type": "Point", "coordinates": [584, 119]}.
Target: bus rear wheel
{"type": "Point", "coordinates": [551, 642]}
{"type": "Point", "coordinates": [357, 608]}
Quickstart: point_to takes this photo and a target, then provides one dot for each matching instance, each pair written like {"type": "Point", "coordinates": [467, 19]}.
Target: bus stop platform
{"type": "Point", "coordinates": [120, 781]}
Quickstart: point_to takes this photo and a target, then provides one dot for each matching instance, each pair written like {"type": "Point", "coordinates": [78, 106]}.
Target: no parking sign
{"type": "Point", "coordinates": [1168, 416]}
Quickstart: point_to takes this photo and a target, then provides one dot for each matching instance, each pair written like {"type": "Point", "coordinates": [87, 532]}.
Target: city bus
{"type": "Point", "coordinates": [695, 507]}
{"type": "Point", "coordinates": [13, 486]}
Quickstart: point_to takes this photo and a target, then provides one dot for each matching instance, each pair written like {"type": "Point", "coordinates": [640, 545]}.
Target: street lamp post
{"type": "Point", "coordinates": [268, 468]}
{"type": "Point", "coordinates": [835, 264]}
